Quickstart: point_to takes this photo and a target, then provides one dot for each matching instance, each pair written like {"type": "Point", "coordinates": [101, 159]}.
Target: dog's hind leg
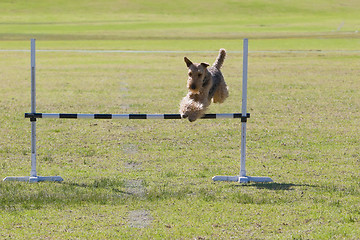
{"type": "Point", "coordinates": [221, 93]}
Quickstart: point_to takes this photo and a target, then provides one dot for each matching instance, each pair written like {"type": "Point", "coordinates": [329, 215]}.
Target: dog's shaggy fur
{"type": "Point", "coordinates": [204, 84]}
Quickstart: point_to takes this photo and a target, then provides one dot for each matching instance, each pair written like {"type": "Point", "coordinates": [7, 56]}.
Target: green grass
{"type": "Point", "coordinates": [152, 179]}
{"type": "Point", "coordinates": [195, 25]}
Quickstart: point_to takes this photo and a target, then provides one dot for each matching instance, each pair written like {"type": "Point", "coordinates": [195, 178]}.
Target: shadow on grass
{"type": "Point", "coordinates": [20, 195]}
{"type": "Point", "coordinates": [116, 187]}
{"type": "Point", "coordinates": [276, 186]}
{"type": "Point", "coordinates": [16, 196]}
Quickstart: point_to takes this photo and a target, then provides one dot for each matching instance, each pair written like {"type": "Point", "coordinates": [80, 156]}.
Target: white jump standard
{"type": "Point", "coordinates": [33, 174]}
{"type": "Point", "coordinates": [242, 177]}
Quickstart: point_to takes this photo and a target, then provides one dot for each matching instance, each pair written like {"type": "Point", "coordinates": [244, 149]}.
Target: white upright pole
{"type": "Point", "coordinates": [33, 110]}
{"type": "Point", "coordinates": [242, 177]}
{"type": "Point", "coordinates": [33, 174]}
{"type": "Point", "coordinates": [243, 110]}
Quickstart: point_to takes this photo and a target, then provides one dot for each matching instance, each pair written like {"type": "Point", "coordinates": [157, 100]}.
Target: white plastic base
{"type": "Point", "coordinates": [35, 179]}
{"type": "Point", "coordinates": [241, 179]}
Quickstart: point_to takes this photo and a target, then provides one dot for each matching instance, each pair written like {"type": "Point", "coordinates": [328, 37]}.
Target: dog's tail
{"type": "Point", "coordinates": [220, 59]}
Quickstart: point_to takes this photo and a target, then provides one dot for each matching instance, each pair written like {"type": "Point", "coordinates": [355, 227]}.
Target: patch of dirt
{"type": "Point", "coordinates": [139, 219]}
{"type": "Point", "coordinates": [132, 165]}
{"type": "Point", "coordinates": [135, 187]}
{"type": "Point", "coordinates": [130, 148]}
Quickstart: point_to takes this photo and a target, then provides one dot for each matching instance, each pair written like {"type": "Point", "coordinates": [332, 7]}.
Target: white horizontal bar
{"type": "Point", "coordinates": [226, 178]}
{"type": "Point", "coordinates": [51, 115]}
{"type": "Point", "coordinates": [120, 116]}
{"type": "Point", "coordinates": [35, 179]}
{"type": "Point", "coordinates": [129, 116]}
{"type": "Point", "coordinates": [86, 116]}
{"type": "Point", "coordinates": [241, 179]}
{"type": "Point", "coordinates": [155, 116]}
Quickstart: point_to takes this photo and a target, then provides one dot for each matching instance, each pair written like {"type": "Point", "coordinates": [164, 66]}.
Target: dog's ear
{"type": "Point", "coordinates": [187, 61]}
{"type": "Point", "coordinates": [205, 65]}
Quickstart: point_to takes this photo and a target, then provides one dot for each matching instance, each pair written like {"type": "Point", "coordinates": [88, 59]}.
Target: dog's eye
{"type": "Point", "coordinates": [190, 74]}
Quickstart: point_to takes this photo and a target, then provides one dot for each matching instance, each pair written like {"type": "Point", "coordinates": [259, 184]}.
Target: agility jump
{"type": "Point", "coordinates": [33, 116]}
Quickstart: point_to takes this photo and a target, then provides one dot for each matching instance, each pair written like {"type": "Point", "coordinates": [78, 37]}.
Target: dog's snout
{"type": "Point", "coordinates": [193, 86]}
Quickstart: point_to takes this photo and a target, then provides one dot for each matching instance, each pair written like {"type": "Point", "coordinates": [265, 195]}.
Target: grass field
{"type": "Point", "coordinates": [152, 179]}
